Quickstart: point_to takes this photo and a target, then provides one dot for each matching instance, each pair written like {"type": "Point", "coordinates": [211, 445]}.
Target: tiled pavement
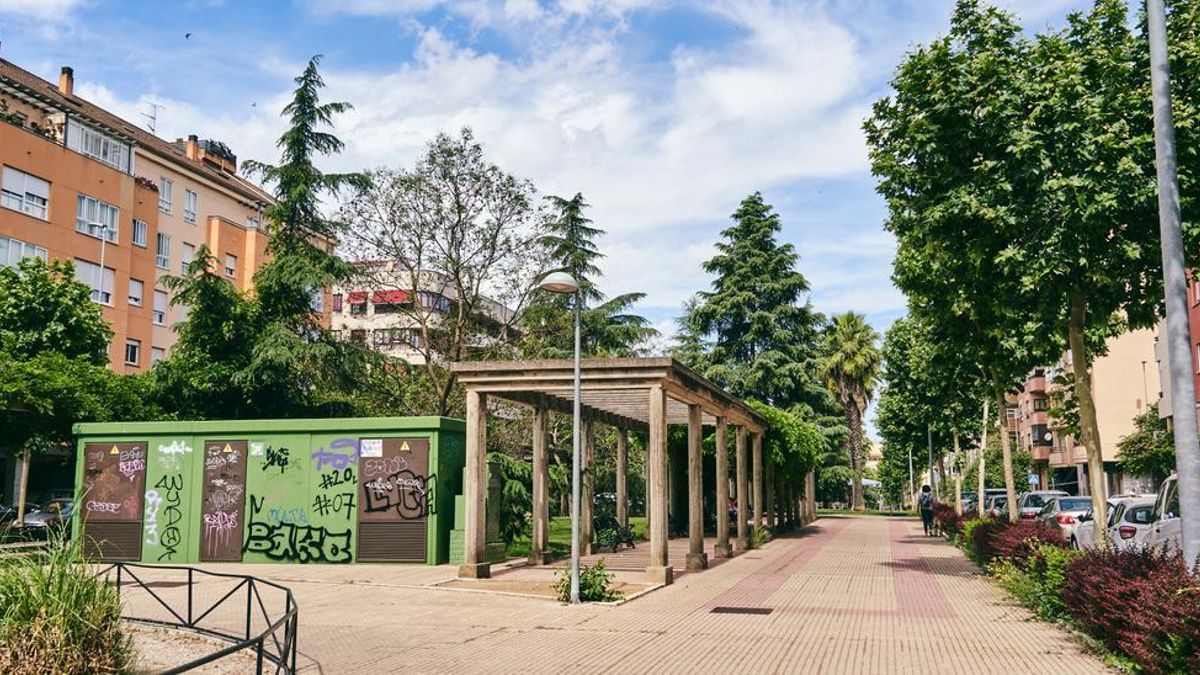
{"type": "Point", "coordinates": [849, 595]}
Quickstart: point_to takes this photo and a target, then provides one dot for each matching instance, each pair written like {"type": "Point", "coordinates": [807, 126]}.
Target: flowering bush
{"type": "Point", "coordinates": [1141, 602]}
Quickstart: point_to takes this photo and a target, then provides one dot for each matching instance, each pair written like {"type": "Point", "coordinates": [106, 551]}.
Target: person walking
{"type": "Point", "coordinates": [925, 503]}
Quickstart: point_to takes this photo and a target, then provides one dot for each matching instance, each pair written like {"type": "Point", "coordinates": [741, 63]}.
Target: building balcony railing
{"type": "Point", "coordinates": [1036, 385]}
{"type": "Point", "coordinates": [1041, 453]}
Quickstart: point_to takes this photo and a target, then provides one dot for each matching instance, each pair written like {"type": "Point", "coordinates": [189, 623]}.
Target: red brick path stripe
{"type": "Point", "coordinates": [754, 589]}
{"type": "Point", "coordinates": [917, 590]}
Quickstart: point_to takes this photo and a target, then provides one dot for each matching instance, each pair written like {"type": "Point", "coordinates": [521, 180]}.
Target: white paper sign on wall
{"type": "Point", "coordinates": [370, 447]}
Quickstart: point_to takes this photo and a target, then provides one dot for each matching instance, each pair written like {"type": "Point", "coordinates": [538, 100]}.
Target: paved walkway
{"type": "Point", "coordinates": [849, 595]}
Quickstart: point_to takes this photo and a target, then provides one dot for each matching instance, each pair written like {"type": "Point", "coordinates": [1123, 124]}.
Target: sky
{"type": "Point", "coordinates": [664, 114]}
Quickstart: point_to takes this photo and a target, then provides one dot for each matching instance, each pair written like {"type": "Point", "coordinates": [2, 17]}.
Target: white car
{"type": "Point", "coordinates": [1165, 529]}
{"type": "Point", "coordinates": [1030, 504]}
{"type": "Point", "coordinates": [1128, 523]}
{"type": "Point", "coordinates": [1063, 514]}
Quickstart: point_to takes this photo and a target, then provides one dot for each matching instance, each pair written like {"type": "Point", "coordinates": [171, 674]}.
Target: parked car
{"type": "Point", "coordinates": [1062, 513]}
{"type": "Point", "coordinates": [1128, 523]}
{"type": "Point", "coordinates": [1030, 504]}
{"type": "Point", "coordinates": [996, 506]}
{"type": "Point", "coordinates": [1165, 528]}
{"type": "Point", "coordinates": [55, 515]}
{"type": "Point", "coordinates": [8, 514]}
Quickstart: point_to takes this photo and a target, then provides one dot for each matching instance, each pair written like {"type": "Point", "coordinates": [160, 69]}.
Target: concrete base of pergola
{"type": "Point", "coordinates": [642, 395]}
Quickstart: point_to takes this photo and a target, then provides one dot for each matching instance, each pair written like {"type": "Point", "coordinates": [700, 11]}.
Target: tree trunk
{"type": "Point", "coordinates": [1010, 485]}
{"type": "Point", "coordinates": [941, 484]}
{"type": "Point", "coordinates": [854, 443]}
{"type": "Point", "coordinates": [1088, 427]}
{"type": "Point", "coordinates": [957, 479]}
{"type": "Point", "coordinates": [22, 488]}
{"type": "Point", "coordinates": [981, 504]}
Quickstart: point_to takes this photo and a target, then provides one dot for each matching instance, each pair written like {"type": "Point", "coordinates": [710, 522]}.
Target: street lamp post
{"type": "Point", "coordinates": [561, 282]}
{"type": "Point", "coordinates": [1179, 342]}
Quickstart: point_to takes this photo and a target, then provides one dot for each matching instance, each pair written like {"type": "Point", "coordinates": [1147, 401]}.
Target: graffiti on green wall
{"type": "Point", "coordinates": [301, 504]}
{"type": "Point", "coordinates": [165, 528]}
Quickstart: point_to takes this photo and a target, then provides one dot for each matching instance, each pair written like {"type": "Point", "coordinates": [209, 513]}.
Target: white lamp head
{"type": "Point", "coordinates": [559, 282]}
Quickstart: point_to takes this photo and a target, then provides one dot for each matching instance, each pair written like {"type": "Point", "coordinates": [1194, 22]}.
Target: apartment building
{"type": "Point", "coordinates": [1124, 382]}
{"type": "Point", "coordinates": [1160, 352]}
{"type": "Point", "coordinates": [127, 207]}
{"type": "Point", "coordinates": [387, 308]}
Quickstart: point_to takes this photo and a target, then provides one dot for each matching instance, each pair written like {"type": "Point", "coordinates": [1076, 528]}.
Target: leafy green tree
{"type": "Point", "coordinates": [43, 308]}
{"type": "Point", "coordinates": [608, 327]}
{"type": "Point", "coordinates": [940, 147]}
{"type": "Point", "coordinates": [265, 354]}
{"type": "Point", "coordinates": [53, 343]}
{"type": "Point", "coordinates": [1150, 449]}
{"type": "Point", "coordinates": [850, 368]}
{"type": "Point", "coordinates": [753, 333]}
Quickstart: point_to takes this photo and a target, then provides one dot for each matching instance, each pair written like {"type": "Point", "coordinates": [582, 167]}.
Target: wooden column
{"type": "Point", "coordinates": [722, 549]}
{"type": "Point", "coordinates": [474, 565]}
{"type": "Point", "coordinates": [697, 559]}
{"type": "Point", "coordinates": [659, 569]}
{"type": "Point", "coordinates": [622, 477]}
{"type": "Point", "coordinates": [539, 546]}
{"type": "Point", "coordinates": [586, 450]}
{"type": "Point", "coordinates": [759, 505]}
{"type": "Point", "coordinates": [742, 492]}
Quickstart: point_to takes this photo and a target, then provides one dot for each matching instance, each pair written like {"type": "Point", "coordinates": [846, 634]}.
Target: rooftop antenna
{"type": "Point", "coordinates": [152, 116]}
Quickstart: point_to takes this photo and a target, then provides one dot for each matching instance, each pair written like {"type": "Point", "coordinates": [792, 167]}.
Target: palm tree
{"type": "Point", "coordinates": [850, 369]}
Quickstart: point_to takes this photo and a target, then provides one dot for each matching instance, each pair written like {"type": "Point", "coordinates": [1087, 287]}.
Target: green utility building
{"type": "Point", "coordinates": [305, 491]}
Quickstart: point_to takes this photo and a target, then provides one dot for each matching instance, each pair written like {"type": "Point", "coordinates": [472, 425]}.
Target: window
{"type": "Point", "coordinates": [337, 302]}
{"type": "Point", "coordinates": [1041, 404]}
{"type": "Point", "coordinates": [13, 251]}
{"type": "Point", "coordinates": [1039, 435]}
{"type": "Point", "coordinates": [189, 206]}
{"type": "Point", "coordinates": [160, 308]}
{"type": "Point", "coordinates": [162, 247]}
{"type": "Point", "coordinates": [25, 193]}
{"type": "Point", "coordinates": [136, 289]}
{"type": "Point", "coordinates": [230, 265]}
{"type": "Point", "coordinates": [97, 145]}
{"type": "Point", "coordinates": [317, 301]}
{"type": "Point", "coordinates": [164, 194]}
{"type": "Point", "coordinates": [96, 218]}
{"type": "Point", "coordinates": [157, 354]}
{"type": "Point", "coordinates": [358, 309]}
{"type": "Point", "coordinates": [133, 352]}
{"type": "Point", "coordinates": [100, 281]}
{"type": "Point", "coordinates": [140, 232]}
{"type": "Point", "coordinates": [186, 255]}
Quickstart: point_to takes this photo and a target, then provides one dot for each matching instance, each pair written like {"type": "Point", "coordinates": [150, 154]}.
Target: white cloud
{"type": "Point", "coordinates": [46, 10]}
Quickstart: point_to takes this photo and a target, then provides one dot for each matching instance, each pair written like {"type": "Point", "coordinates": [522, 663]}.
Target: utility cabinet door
{"type": "Point", "coordinates": [397, 492]}
{"type": "Point", "coordinates": [224, 501]}
{"type": "Point", "coordinates": [114, 483]}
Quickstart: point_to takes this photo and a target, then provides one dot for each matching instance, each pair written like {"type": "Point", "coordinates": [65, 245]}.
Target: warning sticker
{"type": "Point", "coordinates": [256, 448]}
{"type": "Point", "coordinates": [370, 447]}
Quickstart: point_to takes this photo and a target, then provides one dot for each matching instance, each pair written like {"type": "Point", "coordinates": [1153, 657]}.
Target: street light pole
{"type": "Point", "coordinates": [576, 495]}
{"type": "Point", "coordinates": [1179, 343]}
{"type": "Point", "coordinates": [561, 282]}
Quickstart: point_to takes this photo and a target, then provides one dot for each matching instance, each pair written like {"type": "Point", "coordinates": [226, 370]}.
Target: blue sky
{"type": "Point", "coordinates": [664, 114]}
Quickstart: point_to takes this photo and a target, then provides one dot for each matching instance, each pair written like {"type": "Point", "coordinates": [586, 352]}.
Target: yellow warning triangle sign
{"type": "Point", "coordinates": [114, 451]}
{"type": "Point", "coordinates": [227, 448]}
{"type": "Point", "coordinates": [404, 446]}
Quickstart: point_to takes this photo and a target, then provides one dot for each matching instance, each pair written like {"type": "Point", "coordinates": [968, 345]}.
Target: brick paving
{"type": "Point", "coordinates": [847, 595]}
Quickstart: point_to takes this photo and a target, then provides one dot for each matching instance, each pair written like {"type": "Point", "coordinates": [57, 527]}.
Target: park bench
{"type": "Point", "coordinates": [608, 533]}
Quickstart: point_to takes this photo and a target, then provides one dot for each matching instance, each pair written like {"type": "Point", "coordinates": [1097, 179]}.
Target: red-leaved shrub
{"type": "Point", "coordinates": [1141, 602]}
{"type": "Point", "coordinates": [999, 539]}
{"type": "Point", "coordinates": [946, 519]}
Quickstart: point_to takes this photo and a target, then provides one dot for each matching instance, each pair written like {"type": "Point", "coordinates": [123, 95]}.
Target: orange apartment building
{"type": "Point", "coordinates": [127, 207]}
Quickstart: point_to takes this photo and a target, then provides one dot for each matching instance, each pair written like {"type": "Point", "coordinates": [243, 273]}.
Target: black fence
{"type": "Point", "coordinates": [251, 613]}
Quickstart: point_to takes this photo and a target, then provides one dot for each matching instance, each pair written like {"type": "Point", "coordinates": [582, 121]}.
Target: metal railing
{"type": "Point", "coordinates": [275, 644]}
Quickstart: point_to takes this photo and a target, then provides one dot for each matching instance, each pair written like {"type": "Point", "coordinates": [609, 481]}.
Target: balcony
{"type": "Point", "coordinates": [1036, 384]}
{"type": "Point", "coordinates": [1041, 453]}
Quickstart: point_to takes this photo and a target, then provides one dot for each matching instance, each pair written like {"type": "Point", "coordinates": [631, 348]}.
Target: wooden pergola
{"type": "Point", "coordinates": [633, 394]}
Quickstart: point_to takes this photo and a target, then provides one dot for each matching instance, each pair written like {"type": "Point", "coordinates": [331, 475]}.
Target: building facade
{"type": "Point", "coordinates": [1124, 382]}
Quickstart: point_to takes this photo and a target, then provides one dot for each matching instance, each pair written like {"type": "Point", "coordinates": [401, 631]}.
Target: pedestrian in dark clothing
{"type": "Point", "coordinates": [925, 503]}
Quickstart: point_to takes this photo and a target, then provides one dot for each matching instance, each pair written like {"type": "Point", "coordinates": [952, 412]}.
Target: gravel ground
{"type": "Point", "coordinates": [162, 648]}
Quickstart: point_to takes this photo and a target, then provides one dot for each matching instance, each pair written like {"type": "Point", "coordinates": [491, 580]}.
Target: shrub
{"type": "Point", "coordinates": [979, 545]}
{"type": "Point", "coordinates": [1141, 602]}
{"type": "Point", "coordinates": [759, 536]}
{"type": "Point", "coordinates": [947, 520]}
{"type": "Point", "coordinates": [1037, 580]}
{"type": "Point", "coordinates": [1021, 540]}
{"type": "Point", "coordinates": [57, 617]}
{"type": "Point", "coordinates": [593, 584]}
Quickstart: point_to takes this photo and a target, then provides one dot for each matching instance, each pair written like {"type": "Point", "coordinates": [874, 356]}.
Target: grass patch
{"type": "Point", "coordinates": [56, 617]}
{"type": "Point", "coordinates": [560, 537]}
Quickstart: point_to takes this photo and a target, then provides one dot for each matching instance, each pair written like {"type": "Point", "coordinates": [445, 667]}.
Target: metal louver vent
{"type": "Point", "coordinates": [113, 540]}
{"type": "Point", "coordinates": [392, 542]}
